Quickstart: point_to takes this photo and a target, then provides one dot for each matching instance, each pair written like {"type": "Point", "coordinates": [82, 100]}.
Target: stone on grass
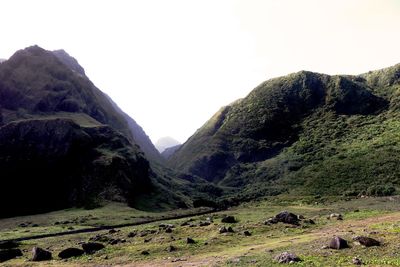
{"type": "Point", "coordinates": [171, 248]}
{"type": "Point", "coordinates": [246, 233]}
{"type": "Point", "coordinates": [92, 247]}
{"type": "Point", "coordinates": [9, 254]}
{"type": "Point", "coordinates": [229, 219]}
{"type": "Point", "coordinates": [190, 240]}
{"type": "Point", "coordinates": [338, 243]}
{"type": "Point", "coordinates": [356, 261]}
{"type": "Point", "coordinates": [70, 252]}
{"type": "Point", "coordinates": [367, 241]}
{"type": "Point", "coordinates": [287, 257]}
{"type": "Point", "coordinates": [39, 254]}
{"type": "Point", "coordinates": [336, 216]}
{"type": "Point", "coordinates": [145, 253]}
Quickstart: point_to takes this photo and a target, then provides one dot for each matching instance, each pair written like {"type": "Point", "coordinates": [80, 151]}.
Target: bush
{"type": "Point", "coordinates": [380, 190]}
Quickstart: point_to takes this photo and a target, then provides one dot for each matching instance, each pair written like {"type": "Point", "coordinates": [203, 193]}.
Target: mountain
{"type": "Point", "coordinates": [63, 142]}
{"type": "Point", "coordinates": [2, 60]}
{"type": "Point", "coordinates": [168, 152]}
{"type": "Point", "coordinates": [304, 133]}
{"type": "Point", "coordinates": [165, 142]}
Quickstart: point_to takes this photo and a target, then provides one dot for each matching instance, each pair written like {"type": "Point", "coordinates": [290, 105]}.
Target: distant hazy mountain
{"type": "Point", "coordinates": [2, 60]}
{"type": "Point", "coordinates": [166, 142]}
{"type": "Point", "coordinates": [304, 133]}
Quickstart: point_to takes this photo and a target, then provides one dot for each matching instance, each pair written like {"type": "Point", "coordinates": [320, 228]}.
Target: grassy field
{"type": "Point", "coordinates": [375, 217]}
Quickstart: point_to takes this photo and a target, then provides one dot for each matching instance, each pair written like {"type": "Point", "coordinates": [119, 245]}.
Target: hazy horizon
{"type": "Point", "coordinates": [172, 64]}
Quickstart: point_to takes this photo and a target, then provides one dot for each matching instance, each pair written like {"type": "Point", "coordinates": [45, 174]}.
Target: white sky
{"type": "Point", "coordinates": [172, 64]}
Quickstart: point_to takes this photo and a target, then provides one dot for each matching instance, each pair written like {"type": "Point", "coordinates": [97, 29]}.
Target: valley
{"type": "Point", "coordinates": [373, 217]}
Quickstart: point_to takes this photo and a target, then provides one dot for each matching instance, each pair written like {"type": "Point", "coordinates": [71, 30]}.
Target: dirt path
{"type": "Point", "coordinates": [217, 259]}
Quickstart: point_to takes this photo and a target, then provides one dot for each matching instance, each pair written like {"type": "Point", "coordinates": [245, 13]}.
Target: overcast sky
{"type": "Point", "coordinates": [172, 64]}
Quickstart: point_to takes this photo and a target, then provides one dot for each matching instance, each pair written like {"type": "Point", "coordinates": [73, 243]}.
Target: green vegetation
{"type": "Point", "coordinates": [375, 217]}
{"type": "Point", "coordinates": [303, 134]}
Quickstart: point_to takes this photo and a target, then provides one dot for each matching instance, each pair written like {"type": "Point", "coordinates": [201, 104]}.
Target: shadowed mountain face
{"type": "Point", "coordinates": [62, 141]}
{"type": "Point", "coordinates": [36, 81]}
{"type": "Point", "coordinates": [296, 132]}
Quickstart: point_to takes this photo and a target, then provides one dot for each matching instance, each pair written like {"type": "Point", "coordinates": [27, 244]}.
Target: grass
{"type": "Point", "coordinates": [378, 216]}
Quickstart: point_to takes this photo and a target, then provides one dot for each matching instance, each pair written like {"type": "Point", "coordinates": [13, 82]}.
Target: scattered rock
{"type": "Point", "coordinates": [166, 225]}
{"type": "Point", "coordinates": [287, 217]}
{"type": "Point", "coordinates": [190, 241]}
{"type": "Point", "coordinates": [70, 252]}
{"type": "Point", "coordinates": [222, 230]}
{"type": "Point", "coordinates": [132, 234]}
{"type": "Point", "coordinates": [300, 217]}
{"type": "Point", "coordinates": [116, 241]}
{"type": "Point", "coordinates": [228, 219]}
{"type": "Point", "coordinates": [39, 254]}
{"type": "Point", "coordinates": [112, 231]}
{"type": "Point", "coordinates": [246, 233]}
{"type": "Point", "coordinates": [147, 240]}
{"type": "Point", "coordinates": [336, 216]}
{"type": "Point", "coordinates": [185, 223]}
{"type": "Point", "coordinates": [171, 249]}
{"type": "Point", "coordinates": [287, 257]}
{"type": "Point", "coordinates": [145, 253]}
{"type": "Point", "coordinates": [92, 247]}
{"type": "Point", "coordinates": [357, 261]}
{"type": "Point", "coordinates": [309, 221]}
{"type": "Point", "coordinates": [338, 243]}
{"type": "Point", "coordinates": [8, 244]}
{"type": "Point", "coordinates": [9, 254]}
{"type": "Point", "coordinates": [101, 238]}
{"type": "Point", "coordinates": [230, 230]}
{"type": "Point", "coordinates": [168, 230]}
{"type": "Point", "coordinates": [367, 241]}
{"type": "Point", "coordinates": [205, 223]}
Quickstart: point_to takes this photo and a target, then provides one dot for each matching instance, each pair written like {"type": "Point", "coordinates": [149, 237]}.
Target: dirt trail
{"type": "Point", "coordinates": [217, 259]}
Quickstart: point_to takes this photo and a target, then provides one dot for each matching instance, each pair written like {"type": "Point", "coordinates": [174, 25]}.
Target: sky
{"type": "Point", "coordinates": [172, 64]}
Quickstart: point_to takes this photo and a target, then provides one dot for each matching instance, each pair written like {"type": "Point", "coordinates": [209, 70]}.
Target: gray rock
{"type": "Point", "coordinates": [39, 254]}
{"type": "Point", "coordinates": [287, 257]}
{"type": "Point", "coordinates": [367, 241]}
{"type": "Point", "coordinates": [338, 243]}
{"type": "Point", "coordinates": [70, 252]}
{"type": "Point", "coordinates": [9, 254]}
{"type": "Point", "coordinates": [92, 247]}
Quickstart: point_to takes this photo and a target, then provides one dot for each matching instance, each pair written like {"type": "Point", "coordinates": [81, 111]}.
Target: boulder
{"type": "Point", "coordinates": [204, 223]}
{"type": "Point", "coordinates": [145, 253]}
{"type": "Point", "coordinates": [190, 240]}
{"type": "Point", "coordinates": [9, 254]}
{"type": "Point", "coordinates": [287, 217]}
{"type": "Point", "coordinates": [246, 233]}
{"type": "Point", "coordinates": [222, 230]}
{"type": "Point", "coordinates": [70, 252]}
{"type": "Point", "coordinates": [367, 241]}
{"type": "Point", "coordinates": [336, 216]}
{"type": "Point", "coordinates": [356, 261]}
{"type": "Point", "coordinates": [171, 248]}
{"type": "Point", "coordinates": [287, 257]}
{"type": "Point", "coordinates": [228, 219]}
{"type": "Point", "coordinates": [39, 254]}
{"type": "Point", "coordinates": [92, 247]}
{"type": "Point", "coordinates": [338, 243]}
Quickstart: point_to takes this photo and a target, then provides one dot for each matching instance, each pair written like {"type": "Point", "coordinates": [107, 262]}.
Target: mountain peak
{"type": "Point", "coordinates": [71, 62]}
{"type": "Point", "coordinates": [166, 142]}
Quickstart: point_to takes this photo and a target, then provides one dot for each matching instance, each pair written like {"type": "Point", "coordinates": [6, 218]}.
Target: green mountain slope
{"type": "Point", "coordinates": [305, 133]}
{"type": "Point", "coordinates": [65, 143]}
